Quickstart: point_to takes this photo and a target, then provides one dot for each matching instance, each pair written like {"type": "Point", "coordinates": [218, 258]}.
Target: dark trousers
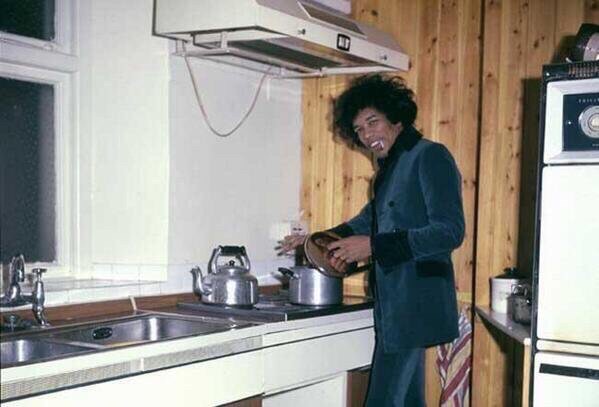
{"type": "Point", "coordinates": [396, 379]}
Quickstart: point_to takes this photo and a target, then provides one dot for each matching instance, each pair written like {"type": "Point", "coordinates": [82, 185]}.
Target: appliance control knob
{"type": "Point", "coordinates": [589, 121]}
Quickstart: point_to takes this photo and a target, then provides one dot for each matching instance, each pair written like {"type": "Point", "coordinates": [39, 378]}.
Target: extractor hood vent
{"type": "Point", "coordinates": [301, 38]}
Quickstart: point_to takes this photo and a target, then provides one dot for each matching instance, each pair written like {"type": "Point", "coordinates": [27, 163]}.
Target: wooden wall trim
{"type": "Point", "coordinates": [519, 36]}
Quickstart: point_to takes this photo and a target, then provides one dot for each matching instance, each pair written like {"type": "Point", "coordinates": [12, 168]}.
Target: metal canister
{"type": "Point", "coordinates": [520, 303]}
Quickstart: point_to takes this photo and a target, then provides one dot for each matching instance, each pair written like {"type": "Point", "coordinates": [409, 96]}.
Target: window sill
{"type": "Point", "coordinates": [64, 284]}
{"type": "Point", "coordinates": [63, 291]}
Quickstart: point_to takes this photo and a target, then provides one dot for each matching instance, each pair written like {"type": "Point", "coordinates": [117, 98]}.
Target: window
{"type": "Point", "coordinates": [27, 171]}
{"type": "Point", "coordinates": [28, 18]}
{"type": "Point", "coordinates": [37, 117]}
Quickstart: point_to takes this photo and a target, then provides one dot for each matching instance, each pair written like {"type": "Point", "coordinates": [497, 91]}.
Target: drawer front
{"type": "Point", "coordinates": [565, 380]}
{"type": "Point", "coordinates": [289, 365]}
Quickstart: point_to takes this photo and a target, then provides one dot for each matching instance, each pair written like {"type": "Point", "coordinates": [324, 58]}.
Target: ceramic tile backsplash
{"type": "Point", "coordinates": [179, 278]}
{"type": "Point", "coordinates": [57, 298]}
{"type": "Point", "coordinates": [149, 289]}
{"type": "Point", "coordinates": [125, 272]}
{"type": "Point", "coordinates": [267, 272]}
{"type": "Point", "coordinates": [153, 272]}
{"type": "Point", "coordinates": [68, 291]}
{"type": "Point", "coordinates": [88, 295]}
{"type": "Point", "coordinates": [102, 271]}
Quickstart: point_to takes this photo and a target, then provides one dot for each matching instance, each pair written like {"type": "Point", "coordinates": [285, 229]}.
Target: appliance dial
{"type": "Point", "coordinates": [589, 121]}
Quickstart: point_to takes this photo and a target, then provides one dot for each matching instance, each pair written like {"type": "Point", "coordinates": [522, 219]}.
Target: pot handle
{"type": "Point", "coordinates": [357, 269]}
{"type": "Point", "coordinates": [287, 272]}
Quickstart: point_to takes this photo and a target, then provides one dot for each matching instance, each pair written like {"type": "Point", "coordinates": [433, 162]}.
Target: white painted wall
{"type": "Point", "coordinates": [128, 83]}
{"type": "Point", "coordinates": [165, 191]}
{"type": "Point", "coordinates": [231, 190]}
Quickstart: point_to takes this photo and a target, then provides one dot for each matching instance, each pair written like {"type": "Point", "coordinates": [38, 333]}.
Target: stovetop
{"type": "Point", "coordinates": [276, 307]}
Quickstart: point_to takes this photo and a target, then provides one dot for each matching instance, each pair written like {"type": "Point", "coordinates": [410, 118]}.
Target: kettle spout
{"type": "Point", "coordinates": [199, 286]}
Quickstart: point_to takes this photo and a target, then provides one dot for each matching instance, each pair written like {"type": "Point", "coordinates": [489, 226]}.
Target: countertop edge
{"type": "Point", "coordinates": [505, 324]}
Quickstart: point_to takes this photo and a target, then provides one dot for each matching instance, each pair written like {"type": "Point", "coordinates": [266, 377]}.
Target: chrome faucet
{"type": "Point", "coordinates": [14, 297]}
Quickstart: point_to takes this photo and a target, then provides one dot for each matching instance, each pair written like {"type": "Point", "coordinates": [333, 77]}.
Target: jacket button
{"type": "Point", "coordinates": [391, 204]}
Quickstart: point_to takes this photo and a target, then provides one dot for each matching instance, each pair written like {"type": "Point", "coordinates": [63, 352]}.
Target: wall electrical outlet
{"type": "Point", "coordinates": [299, 227]}
{"type": "Point", "coordinates": [281, 229]}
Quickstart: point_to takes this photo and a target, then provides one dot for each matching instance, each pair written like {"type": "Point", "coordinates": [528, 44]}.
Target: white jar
{"type": "Point", "coordinates": [501, 288]}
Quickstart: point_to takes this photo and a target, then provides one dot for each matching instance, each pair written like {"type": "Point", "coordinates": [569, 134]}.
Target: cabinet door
{"type": "Point", "coordinates": [357, 385]}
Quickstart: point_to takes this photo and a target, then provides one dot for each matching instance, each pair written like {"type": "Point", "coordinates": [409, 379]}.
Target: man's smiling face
{"type": "Point", "coordinates": [375, 131]}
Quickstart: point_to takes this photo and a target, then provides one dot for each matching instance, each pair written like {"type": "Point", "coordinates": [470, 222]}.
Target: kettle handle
{"type": "Point", "coordinates": [236, 251]}
{"type": "Point", "coordinates": [288, 272]}
{"type": "Point", "coordinates": [233, 250]}
{"type": "Point", "coordinates": [212, 261]}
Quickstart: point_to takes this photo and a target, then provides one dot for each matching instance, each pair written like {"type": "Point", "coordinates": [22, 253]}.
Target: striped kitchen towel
{"type": "Point", "coordinates": [454, 361]}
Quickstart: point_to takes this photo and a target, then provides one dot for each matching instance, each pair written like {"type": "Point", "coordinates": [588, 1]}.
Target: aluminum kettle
{"type": "Point", "coordinates": [228, 284]}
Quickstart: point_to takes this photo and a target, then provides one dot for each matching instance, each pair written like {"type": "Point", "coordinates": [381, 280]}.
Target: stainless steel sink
{"type": "Point", "coordinates": [25, 350]}
{"type": "Point", "coordinates": [53, 343]}
{"type": "Point", "coordinates": [142, 329]}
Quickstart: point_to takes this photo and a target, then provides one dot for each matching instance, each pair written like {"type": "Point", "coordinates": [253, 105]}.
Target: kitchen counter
{"type": "Point", "coordinates": [505, 324]}
{"type": "Point", "coordinates": [254, 347]}
{"type": "Point", "coordinates": [516, 331]}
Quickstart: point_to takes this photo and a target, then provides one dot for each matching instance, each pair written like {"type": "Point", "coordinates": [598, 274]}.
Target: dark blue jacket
{"type": "Point", "coordinates": [415, 221]}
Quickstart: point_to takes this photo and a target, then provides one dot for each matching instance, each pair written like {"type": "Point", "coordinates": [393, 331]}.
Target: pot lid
{"type": "Point", "coordinates": [231, 268]}
{"type": "Point", "coordinates": [317, 254]}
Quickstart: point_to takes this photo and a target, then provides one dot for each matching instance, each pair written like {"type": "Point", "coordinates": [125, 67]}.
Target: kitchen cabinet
{"type": "Point", "coordinates": [315, 371]}
{"type": "Point", "coordinates": [346, 389]}
{"type": "Point", "coordinates": [209, 383]}
{"type": "Point", "coordinates": [297, 362]}
{"type": "Point", "coordinates": [307, 361]}
{"type": "Point", "coordinates": [302, 362]}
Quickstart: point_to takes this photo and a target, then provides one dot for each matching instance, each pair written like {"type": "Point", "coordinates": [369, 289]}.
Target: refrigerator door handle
{"type": "Point", "coordinates": [570, 371]}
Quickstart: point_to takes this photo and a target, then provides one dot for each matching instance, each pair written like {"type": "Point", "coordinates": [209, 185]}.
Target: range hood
{"type": "Point", "coordinates": [300, 37]}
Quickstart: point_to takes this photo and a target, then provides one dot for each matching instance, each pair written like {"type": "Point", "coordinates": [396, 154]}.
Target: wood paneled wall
{"type": "Point", "coordinates": [475, 69]}
{"type": "Point", "coordinates": [519, 36]}
{"type": "Point", "coordinates": [442, 39]}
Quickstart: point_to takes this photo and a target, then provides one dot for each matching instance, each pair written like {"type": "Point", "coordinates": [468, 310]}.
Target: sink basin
{"type": "Point", "coordinates": [25, 350]}
{"type": "Point", "coordinates": [142, 329]}
{"type": "Point", "coordinates": [68, 341]}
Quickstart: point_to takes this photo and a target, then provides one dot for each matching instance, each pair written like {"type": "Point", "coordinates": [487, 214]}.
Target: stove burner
{"type": "Point", "coordinates": [276, 307]}
{"type": "Point", "coordinates": [280, 298]}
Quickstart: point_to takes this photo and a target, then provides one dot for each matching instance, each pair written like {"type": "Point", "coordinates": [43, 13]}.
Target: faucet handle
{"type": "Point", "coordinates": [17, 268]}
{"type": "Point", "coordinates": [38, 297]}
{"type": "Point", "coordinates": [38, 272]}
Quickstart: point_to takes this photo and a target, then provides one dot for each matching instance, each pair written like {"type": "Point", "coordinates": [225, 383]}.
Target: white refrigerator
{"type": "Point", "coordinates": [565, 326]}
